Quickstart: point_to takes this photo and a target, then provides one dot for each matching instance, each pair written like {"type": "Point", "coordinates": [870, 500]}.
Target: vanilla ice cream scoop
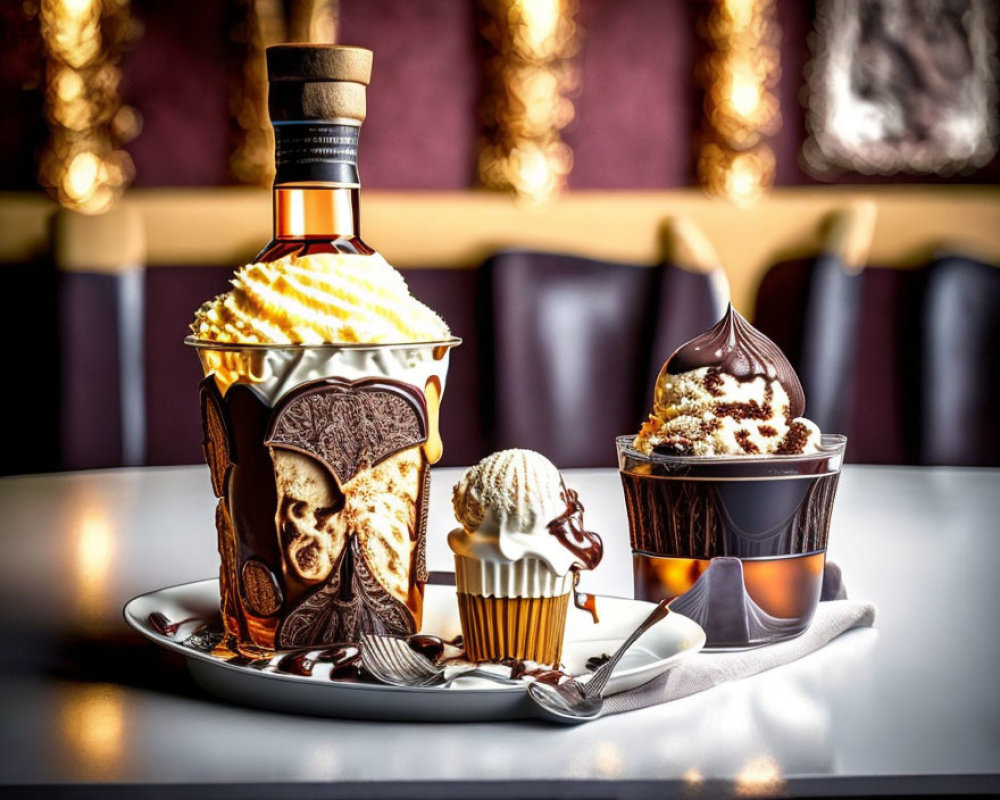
{"type": "Point", "coordinates": [730, 391]}
{"type": "Point", "coordinates": [513, 505]}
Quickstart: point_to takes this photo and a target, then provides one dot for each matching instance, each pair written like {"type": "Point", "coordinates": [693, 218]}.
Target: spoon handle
{"type": "Point", "coordinates": [595, 686]}
{"type": "Point", "coordinates": [476, 672]}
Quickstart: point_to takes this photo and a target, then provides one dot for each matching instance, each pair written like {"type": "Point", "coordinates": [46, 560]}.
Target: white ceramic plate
{"type": "Point", "coordinates": [659, 649]}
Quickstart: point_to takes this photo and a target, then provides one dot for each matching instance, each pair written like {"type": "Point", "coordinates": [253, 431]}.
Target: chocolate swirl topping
{"type": "Point", "coordinates": [568, 529]}
{"type": "Point", "coordinates": [739, 349]}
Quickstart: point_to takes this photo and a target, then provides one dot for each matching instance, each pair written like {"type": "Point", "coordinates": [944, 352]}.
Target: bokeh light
{"type": "Point", "coordinates": [82, 164]}
{"type": "Point", "coordinates": [267, 23]}
{"type": "Point", "coordinates": [530, 76]}
{"type": "Point", "coordinates": [739, 72]}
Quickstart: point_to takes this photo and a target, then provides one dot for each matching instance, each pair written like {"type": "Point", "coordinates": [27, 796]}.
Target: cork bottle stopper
{"type": "Point", "coordinates": [318, 82]}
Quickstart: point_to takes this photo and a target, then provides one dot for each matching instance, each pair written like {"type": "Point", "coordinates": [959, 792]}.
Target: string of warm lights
{"type": "Point", "coordinates": [529, 76]}
{"type": "Point", "coordinates": [82, 164]}
{"type": "Point", "coordinates": [739, 71]}
{"type": "Point", "coordinates": [269, 22]}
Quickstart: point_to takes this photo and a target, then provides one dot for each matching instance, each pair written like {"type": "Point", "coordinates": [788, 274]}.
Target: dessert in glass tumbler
{"type": "Point", "coordinates": [517, 556]}
{"type": "Point", "coordinates": [729, 489]}
{"type": "Point", "coordinates": [323, 381]}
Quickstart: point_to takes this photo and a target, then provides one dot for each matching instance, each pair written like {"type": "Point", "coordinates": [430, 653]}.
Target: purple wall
{"type": "Point", "coordinates": [422, 103]}
{"type": "Point", "coordinates": [638, 105]}
{"type": "Point", "coordinates": [637, 111]}
{"type": "Point", "coordinates": [178, 75]}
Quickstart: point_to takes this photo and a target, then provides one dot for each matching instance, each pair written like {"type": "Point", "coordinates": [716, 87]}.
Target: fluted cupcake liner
{"type": "Point", "coordinates": [498, 628]}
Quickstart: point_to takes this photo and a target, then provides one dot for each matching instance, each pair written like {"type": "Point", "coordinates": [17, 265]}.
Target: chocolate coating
{"type": "Point", "coordinates": [350, 425]}
{"type": "Point", "coordinates": [737, 348]}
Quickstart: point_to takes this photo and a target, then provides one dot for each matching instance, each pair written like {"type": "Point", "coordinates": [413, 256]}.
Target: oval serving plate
{"type": "Point", "coordinates": [466, 700]}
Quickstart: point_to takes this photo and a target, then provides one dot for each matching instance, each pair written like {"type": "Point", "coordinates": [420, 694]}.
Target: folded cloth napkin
{"type": "Point", "coordinates": [705, 670]}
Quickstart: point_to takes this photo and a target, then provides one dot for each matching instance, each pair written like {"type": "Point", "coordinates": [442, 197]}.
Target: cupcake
{"type": "Point", "coordinates": [517, 556]}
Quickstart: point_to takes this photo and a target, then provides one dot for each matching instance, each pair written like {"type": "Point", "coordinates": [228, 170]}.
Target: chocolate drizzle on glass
{"type": "Point", "coordinates": [737, 348]}
{"type": "Point", "coordinates": [344, 427]}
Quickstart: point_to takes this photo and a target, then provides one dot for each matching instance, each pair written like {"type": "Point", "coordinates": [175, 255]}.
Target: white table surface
{"type": "Point", "coordinates": [911, 706]}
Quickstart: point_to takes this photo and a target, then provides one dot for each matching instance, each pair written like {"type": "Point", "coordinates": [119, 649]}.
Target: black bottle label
{"type": "Point", "coordinates": [316, 151]}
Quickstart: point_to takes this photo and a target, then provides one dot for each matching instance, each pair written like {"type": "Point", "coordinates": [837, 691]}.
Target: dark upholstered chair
{"type": "Point", "coordinates": [879, 417]}
{"type": "Point", "coordinates": [100, 300]}
{"type": "Point", "coordinates": [576, 345]}
{"type": "Point", "coordinates": [173, 418]}
{"type": "Point", "coordinates": [960, 382]}
{"type": "Point", "coordinates": [920, 367]}
{"type": "Point", "coordinates": [832, 308]}
{"type": "Point", "coordinates": [452, 294]}
{"type": "Point", "coordinates": [829, 337]}
{"type": "Point", "coordinates": [29, 403]}
{"type": "Point", "coordinates": [816, 311]}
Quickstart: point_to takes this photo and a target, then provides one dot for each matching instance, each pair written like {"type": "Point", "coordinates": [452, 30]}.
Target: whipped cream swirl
{"type": "Point", "coordinates": [315, 299]}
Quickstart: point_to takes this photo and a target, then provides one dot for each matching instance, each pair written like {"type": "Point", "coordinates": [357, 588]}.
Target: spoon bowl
{"type": "Point", "coordinates": [565, 703]}
{"type": "Point", "coordinates": [572, 702]}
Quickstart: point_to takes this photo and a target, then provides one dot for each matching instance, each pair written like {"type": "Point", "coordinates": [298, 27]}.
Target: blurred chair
{"type": "Point", "coordinates": [576, 344]}
{"type": "Point", "coordinates": [833, 301]}
{"type": "Point", "coordinates": [960, 385]}
{"type": "Point", "coordinates": [812, 309]}
{"type": "Point", "coordinates": [694, 274]}
{"type": "Point", "coordinates": [904, 361]}
{"type": "Point", "coordinates": [29, 404]}
{"type": "Point", "coordinates": [452, 294]}
{"type": "Point", "coordinates": [173, 419]}
{"type": "Point", "coordinates": [100, 261]}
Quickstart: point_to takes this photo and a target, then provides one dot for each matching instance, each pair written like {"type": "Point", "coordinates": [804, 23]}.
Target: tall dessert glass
{"type": "Point", "coordinates": [760, 522]}
{"type": "Point", "coordinates": [319, 456]}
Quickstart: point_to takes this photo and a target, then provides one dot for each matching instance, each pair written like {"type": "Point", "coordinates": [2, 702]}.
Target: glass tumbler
{"type": "Point", "coordinates": [738, 541]}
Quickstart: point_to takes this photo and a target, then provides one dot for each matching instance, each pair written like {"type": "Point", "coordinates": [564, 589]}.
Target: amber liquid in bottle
{"type": "Point", "coordinates": [313, 217]}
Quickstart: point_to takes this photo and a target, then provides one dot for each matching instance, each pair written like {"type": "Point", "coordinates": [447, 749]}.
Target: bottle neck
{"type": "Point", "coordinates": [316, 181]}
{"type": "Point", "coordinates": [316, 211]}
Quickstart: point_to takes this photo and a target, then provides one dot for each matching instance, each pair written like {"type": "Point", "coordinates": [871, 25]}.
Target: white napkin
{"type": "Point", "coordinates": [705, 670]}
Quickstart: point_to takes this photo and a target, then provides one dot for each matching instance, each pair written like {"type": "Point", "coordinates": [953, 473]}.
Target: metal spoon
{"type": "Point", "coordinates": [573, 702]}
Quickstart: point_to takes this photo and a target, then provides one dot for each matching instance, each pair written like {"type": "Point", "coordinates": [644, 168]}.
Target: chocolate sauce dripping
{"type": "Point", "coordinates": [568, 529]}
{"type": "Point", "coordinates": [595, 662]}
{"type": "Point", "coordinates": [587, 602]}
{"type": "Point", "coordinates": [343, 658]}
{"type": "Point", "coordinates": [240, 660]}
{"type": "Point", "coordinates": [297, 663]}
{"type": "Point", "coordinates": [252, 495]}
{"type": "Point", "coordinates": [429, 646]}
{"type": "Point", "coordinates": [737, 348]}
{"type": "Point", "coordinates": [521, 669]}
{"type": "Point", "coordinates": [163, 626]}
{"type": "Point", "coordinates": [583, 600]}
